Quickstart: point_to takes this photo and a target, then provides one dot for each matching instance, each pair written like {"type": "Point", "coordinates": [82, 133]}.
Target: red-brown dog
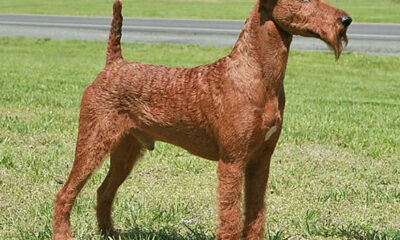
{"type": "Point", "coordinates": [230, 111]}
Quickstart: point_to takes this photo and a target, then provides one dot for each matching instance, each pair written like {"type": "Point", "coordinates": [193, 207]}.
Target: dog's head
{"type": "Point", "coordinates": [311, 18]}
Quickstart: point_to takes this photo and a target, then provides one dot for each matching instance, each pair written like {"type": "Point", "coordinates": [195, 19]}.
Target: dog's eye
{"type": "Point", "coordinates": [305, 1]}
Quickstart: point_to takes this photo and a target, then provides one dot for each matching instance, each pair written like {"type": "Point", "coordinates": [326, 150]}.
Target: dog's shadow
{"type": "Point", "coordinates": [168, 233]}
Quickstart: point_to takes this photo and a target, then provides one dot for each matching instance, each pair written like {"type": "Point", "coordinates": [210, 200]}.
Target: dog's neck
{"type": "Point", "coordinates": [263, 47]}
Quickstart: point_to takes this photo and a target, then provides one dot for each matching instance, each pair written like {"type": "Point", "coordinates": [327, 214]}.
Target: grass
{"type": "Point", "coordinates": [335, 174]}
{"type": "Point", "coordinates": [361, 10]}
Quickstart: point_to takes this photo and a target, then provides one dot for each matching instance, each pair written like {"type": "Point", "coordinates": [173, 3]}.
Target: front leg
{"type": "Point", "coordinates": [230, 175]}
{"type": "Point", "coordinates": [256, 179]}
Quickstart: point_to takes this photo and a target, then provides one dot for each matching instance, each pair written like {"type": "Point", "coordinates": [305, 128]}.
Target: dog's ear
{"type": "Point", "coordinates": [266, 7]}
{"type": "Point", "coordinates": [268, 1]}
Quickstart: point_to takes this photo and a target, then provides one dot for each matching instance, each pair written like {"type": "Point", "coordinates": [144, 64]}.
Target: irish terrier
{"type": "Point", "coordinates": [230, 111]}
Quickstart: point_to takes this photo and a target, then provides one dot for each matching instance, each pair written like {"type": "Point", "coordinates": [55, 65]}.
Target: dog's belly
{"type": "Point", "coordinates": [195, 141]}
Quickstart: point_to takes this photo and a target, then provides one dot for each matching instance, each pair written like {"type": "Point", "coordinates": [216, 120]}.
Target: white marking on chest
{"type": "Point", "coordinates": [270, 132]}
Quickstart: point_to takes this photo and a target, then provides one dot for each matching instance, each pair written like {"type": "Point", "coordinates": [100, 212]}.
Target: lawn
{"type": "Point", "coordinates": [335, 174]}
{"type": "Point", "coordinates": [361, 10]}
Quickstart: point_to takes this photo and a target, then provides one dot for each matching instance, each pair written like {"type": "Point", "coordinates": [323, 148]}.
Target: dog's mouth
{"type": "Point", "coordinates": [313, 34]}
{"type": "Point", "coordinates": [334, 38]}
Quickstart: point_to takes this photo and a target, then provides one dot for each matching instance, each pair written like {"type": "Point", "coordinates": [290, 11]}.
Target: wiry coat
{"type": "Point", "coordinates": [230, 111]}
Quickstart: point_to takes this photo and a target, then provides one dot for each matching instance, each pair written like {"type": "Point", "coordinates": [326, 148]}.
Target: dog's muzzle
{"type": "Point", "coordinates": [346, 21]}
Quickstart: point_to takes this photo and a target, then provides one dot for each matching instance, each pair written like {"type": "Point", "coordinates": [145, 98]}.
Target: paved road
{"type": "Point", "coordinates": [382, 39]}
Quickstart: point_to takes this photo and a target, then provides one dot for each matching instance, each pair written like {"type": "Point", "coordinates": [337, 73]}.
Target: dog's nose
{"type": "Point", "coordinates": [346, 21]}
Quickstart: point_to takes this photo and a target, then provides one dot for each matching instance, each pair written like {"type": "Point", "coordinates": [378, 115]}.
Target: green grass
{"type": "Point", "coordinates": [335, 174]}
{"type": "Point", "coordinates": [361, 10]}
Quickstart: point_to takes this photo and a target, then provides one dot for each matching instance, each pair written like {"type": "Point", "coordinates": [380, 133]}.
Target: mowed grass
{"type": "Point", "coordinates": [361, 10]}
{"type": "Point", "coordinates": [335, 174]}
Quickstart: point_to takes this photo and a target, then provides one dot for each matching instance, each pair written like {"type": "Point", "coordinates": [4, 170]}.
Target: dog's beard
{"type": "Point", "coordinates": [336, 40]}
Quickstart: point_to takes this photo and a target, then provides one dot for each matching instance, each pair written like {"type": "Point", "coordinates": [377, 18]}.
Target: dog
{"type": "Point", "coordinates": [230, 111]}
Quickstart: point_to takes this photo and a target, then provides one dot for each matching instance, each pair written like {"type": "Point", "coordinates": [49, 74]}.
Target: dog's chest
{"type": "Point", "coordinates": [271, 120]}
{"type": "Point", "coordinates": [271, 131]}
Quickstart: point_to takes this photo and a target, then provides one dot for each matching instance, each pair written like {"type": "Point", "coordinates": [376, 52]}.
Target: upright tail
{"type": "Point", "coordinates": [114, 40]}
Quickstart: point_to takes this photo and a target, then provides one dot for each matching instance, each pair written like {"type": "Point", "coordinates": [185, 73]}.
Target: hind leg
{"type": "Point", "coordinates": [95, 140]}
{"type": "Point", "coordinates": [123, 157]}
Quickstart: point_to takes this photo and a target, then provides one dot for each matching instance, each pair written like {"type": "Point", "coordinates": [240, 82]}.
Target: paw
{"type": "Point", "coordinates": [62, 237]}
{"type": "Point", "coordinates": [110, 234]}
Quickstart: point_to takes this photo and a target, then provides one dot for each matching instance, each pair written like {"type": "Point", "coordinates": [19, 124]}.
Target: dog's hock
{"type": "Point", "coordinates": [270, 132]}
